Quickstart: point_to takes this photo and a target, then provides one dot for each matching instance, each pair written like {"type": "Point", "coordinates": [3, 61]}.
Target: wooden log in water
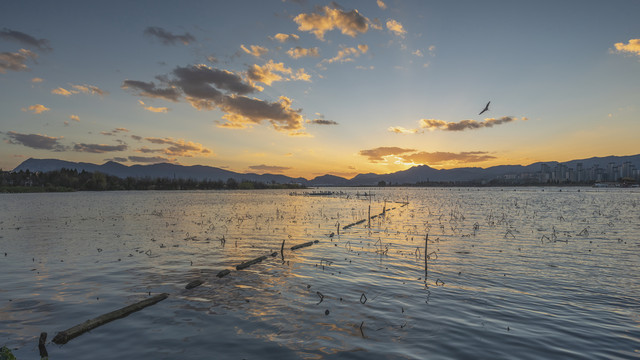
{"type": "Point", "coordinates": [223, 273]}
{"type": "Point", "coordinates": [303, 245]}
{"type": "Point", "coordinates": [246, 264]}
{"type": "Point", "coordinates": [64, 336]}
{"type": "Point", "coordinates": [194, 283]}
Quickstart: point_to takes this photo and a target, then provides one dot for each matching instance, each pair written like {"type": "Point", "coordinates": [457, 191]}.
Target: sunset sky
{"type": "Point", "coordinates": [306, 88]}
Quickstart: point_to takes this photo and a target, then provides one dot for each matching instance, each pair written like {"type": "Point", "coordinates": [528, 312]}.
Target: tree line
{"type": "Point", "coordinates": [72, 180]}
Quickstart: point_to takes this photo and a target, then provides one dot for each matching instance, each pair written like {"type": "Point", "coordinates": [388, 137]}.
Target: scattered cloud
{"type": "Point", "coordinates": [632, 47]}
{"type": "Point", "coordinates": [435, 124]}
{"type": "Point", "coordinates": [326, 19]}
{"type": "Point", "coordinates": [298, 52]}
{"type": "Point", "coordinates": [36, 109]}
{"type": "Point", "coordinates": [242, 112]}
{"type": "Point", "coordinates": [89, 89]}
{"type": "Point", "coordinates": [203, 86]}
{"type": "Point", "coordinates": [149, 89]}
{"type": "Point", "coordinates": [37, 80]}
{"type": "Point", "coordinates": [136, 137]}
{"type": "Point", "coordinates": [396, 28]}
{"type": "Point", "coordinates": [378, 154]}
{"type": "Point", "coordinates": [401, 130]}
{"type": "Point", "coordinates": [25, 39]}
{"type": "Point", "coordinates": [322, 122]}
{"type": "Point", "coordinates": [74, 118]}
{"type": "Point", "coordinates": [285, 37]}
{"type": "Point", "coordinates": [421, 157]}
{"type": "Point", "coordinates": [255, 50]}
{"type": "Point", "coordinates": [269, 168]}
{"type": "Point", "coordinates": [347, 54]}
{"type": "Point", "coordinates": [382, 5]}
{"type": "Point", "coordinates": [16, 61]}
{"type": "Point", "coordinates": [417, 53]}
{"type": "Point", "coordinates": [153, 109]}
{"type": "Point", "coordinates": [35, 141]}
{"type": "Point", "coordinates": [178, 147]}
{"type": "Point", "coordinates": [98, 148]}
{"type": "Point", "coordinates": [438, 158]}
{"type": "Point", "coordinates": [118, 159]}
{"type": "Point", "coordinates": [61, 91]}
{"type": "Point", "coordinates": [195, 81]}
{"type": "Point", "coordinates": [272, 71]}
{"type": "Point", "coordinates": [76, 89]}
{"type": "Point", "coordinates": [114, 131]}
{"type": "Point", "coordinates": [167, 38]}
{"type": "Point", "coordinates": [149, 159]}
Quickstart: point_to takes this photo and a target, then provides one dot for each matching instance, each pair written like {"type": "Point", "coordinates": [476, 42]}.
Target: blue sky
{"type": "Point", "coordinates": [306, 88]}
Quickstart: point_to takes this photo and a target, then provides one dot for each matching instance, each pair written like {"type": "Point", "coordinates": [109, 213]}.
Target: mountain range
{"type": "Point", "coordinates": [420, 173]}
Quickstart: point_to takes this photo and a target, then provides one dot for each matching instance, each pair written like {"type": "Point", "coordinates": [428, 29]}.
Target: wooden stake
{"type": "Point", "coordinates": [64, 336]}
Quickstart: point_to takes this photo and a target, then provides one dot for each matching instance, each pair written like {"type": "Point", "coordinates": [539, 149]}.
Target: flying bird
{"type": "Point", "coordinates": [486, 108]}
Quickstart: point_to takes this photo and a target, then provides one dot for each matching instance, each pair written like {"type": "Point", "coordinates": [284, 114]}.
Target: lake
{"type": "Point", "coordinates": [524, 273]}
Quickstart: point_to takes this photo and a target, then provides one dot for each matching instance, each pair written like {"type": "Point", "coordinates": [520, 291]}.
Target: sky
{"type": "Point", "coordinates": [307, 88]}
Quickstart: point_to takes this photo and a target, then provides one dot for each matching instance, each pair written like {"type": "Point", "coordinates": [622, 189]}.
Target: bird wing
{"type": "Point", "coordinates": [486, 108]}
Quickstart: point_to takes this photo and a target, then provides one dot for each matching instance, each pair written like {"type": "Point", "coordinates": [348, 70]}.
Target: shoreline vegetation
{"type": "Point", "coordinates": [66, 180]}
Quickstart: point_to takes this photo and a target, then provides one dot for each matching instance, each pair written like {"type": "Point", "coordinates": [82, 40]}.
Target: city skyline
{"type": "Point", "coordinates": [307, 88]}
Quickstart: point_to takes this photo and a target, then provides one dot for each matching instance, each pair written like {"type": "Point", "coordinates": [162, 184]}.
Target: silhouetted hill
{"type": "Point", "coordinates": [416, 174]}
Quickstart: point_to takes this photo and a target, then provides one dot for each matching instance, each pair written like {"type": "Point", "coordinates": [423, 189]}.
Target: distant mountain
{"type": "Point", "coordinates": [161, 170]}
{"type": "Point", "coordinates": [420, 173]}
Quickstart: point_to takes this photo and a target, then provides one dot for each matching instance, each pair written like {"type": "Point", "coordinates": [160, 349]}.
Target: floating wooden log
{"type": "Point", "coordinates": [194, 283]}
{"type": "Point", "coordinates": [223, 273]}
{"type": "Point", "coordinates": [299, 246]}
{"type": "Point", "coordinates": [64, 336]}
{"type": "Point", "coordinates": [303, 245]}
{"type": "Point", "coordinates": [246, 264]}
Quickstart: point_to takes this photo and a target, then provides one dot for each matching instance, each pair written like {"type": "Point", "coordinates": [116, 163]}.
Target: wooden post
{"type": "Point", "coordinates": [426, 256]}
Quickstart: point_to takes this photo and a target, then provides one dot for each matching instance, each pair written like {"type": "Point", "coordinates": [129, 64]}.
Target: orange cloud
{"type": "Point", "coordinates": [401, 130]}
{"type": "Point", "coordinates": [396, 28]}
{"type": "Point", "coordinates": [255, 50]}
{"type": "Point", "coordinates": [153, 109]}
{"type": "Point", "coordinates": [16, 61]}
{"type": "Point", "coordinates": [285, 37]}
{"type": "Point", "coordinates": [270, 72]}
{"type": "Point", "coordinates": [632, 47]}
{"type": "Point", "coordinates": [178, 147]}
{"type": "Point", "coordinates": [61, 91]}
{"type": "Point", "coordinates": [36, 109]}
{"type": "Point", "coordinates": [439, 157]}
{"type": "Point", "coordinates": [349, 23]}
{"type": "Point", "coordinates": [378, 154]}
{"type": "Point", "coordinates": [298, 52]}
{"type": "Point", "coordinates": [347, 54]}
{"type": "Point", "coordinates": [435, 124]}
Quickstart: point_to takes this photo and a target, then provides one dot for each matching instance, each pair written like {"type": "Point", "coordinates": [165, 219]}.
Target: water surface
{"type": "Point", "coordinates": [528, 273]}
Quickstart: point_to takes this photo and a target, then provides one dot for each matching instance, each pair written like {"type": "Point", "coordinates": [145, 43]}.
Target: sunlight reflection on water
{"type": "Point", "coordinates": [535, 272]}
